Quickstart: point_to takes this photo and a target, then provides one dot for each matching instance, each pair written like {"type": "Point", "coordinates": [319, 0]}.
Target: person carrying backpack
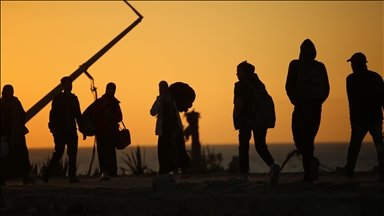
{"type": "Point", "coordinates": [307, 87]}
{"type": "Point", "coordinates": [106, 114]}
{"type": "Point", "coordinates": [253, 112]}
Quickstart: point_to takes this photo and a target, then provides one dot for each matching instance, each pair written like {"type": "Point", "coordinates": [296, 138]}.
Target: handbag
{"type": "Point", "coordinates": [124, 138]}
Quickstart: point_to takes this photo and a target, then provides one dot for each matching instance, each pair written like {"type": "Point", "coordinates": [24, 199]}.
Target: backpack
{"type": "Point", "coordinates": [89, 125]}
{"type": "Point", "coordinates": [262, 108]}
{"type": "Point", "coordinates": [311, 82]}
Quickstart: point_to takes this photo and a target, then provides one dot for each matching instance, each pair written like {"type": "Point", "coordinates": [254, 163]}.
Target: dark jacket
{"type": "Point", "coordinates": [106, 124]}
{"type": "Point", "coordinates": [244, 91]}
{"type": "Point", "coordinates": [365, 91]}
{"type": "Point", "coordinates": [13, 119]}
{"type": "Point", "coordinates": [65, 110]}
{"type": "Point", "coordinates": [307, 53]}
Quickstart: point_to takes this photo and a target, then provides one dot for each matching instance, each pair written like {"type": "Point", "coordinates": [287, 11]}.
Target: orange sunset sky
{"type": "Point", "coordinates": [196, 42]}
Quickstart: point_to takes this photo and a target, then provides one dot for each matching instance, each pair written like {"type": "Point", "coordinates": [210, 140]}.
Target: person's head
{"type": "Point", "coordinates": [183, 95]}
{"type": "Point", "coordinates": [66, 83]}
{"type": "Point", "coordinates": [163, 87]}
{"type": "Point", "coordinates": [307, 50]}
{"type": "Point", "coordinates": [7, 92]}
{"type": "Point", "coordinates": [244, 70]}
{"type": "Point", "coordinates": [358, 62]}
{"type": "Point", "coordinates": [110, 89]}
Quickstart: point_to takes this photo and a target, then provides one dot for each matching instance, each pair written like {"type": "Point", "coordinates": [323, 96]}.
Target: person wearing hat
{"type": "Point", "coordinates": [365, 91]}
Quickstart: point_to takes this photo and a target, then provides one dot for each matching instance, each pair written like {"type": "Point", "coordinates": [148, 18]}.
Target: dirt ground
{"type": "Point", "coordinates": [18, 199]}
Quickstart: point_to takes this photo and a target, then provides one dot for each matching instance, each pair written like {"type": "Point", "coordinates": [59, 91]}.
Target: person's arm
{"type": "Point", "coordinates": [381, 91]}
{"type": "Point", "coordinates": [290, 85]}
{"type": "Point", "coordinates": [78, 116]}
{"type": "Point", "coordinates": [324, 69]}
{"type": "Point", "coordinates": [53, 116]}
{"type": "Point", "coordinates": [117, 116]}
{"type": "Point", "coordinates": [23, 116]}
{"type": "Point", "coordinates": [352, 100]}
{"type": "Point", "coordinates": [238, 106]}
{"type": "Point", "coordinates": [156, 107]}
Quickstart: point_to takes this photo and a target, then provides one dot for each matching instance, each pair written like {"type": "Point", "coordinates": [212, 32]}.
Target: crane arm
{"type": "Point", "coordinates": [49, 97]}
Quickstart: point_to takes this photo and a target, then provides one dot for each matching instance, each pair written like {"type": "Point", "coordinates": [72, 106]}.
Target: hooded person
{"type": "Point", "coordinates": [307, 87]}
{"type": "Point", "coordinates": [106, 113]}
{"type": "Point", "coordinates": [365, 91]}
{"type": "Point", "coordinates": [13, 118]}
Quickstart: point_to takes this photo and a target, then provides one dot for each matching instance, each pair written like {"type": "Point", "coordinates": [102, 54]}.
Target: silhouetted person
{"type": "Point", "coordinates": [192, 130]}
{"type": "Point", "coordinates": [172, 153]}
{"type": "Point", "coordinates": [248, 85]}
{"type": "Point", "coordinates": [16, 162]}
{"type": "Point", "coordinates": [307, 87]}
{"type": "Point", "coordinates": [365, 91]}
{"type": "Point", "coordinates": [106, 113]}
{"type": "Point", "coordinates": [64, 115]}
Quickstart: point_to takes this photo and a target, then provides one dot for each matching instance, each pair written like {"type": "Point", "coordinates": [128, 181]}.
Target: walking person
{"type": "Point", "coordinates": [365, 91]}
{"type": "Point", "coordinates": [64, 115]}
{"type": "Point", "coordinates": [246, 90]}
{"type": "Point", "coordinates": [106, 114]}
{"type": "Point", "coordinates": [13, 130]}
{"type": "Point", "coordinates": [307, 87]}
{"type": "Point", "coordinates": [171, 152]}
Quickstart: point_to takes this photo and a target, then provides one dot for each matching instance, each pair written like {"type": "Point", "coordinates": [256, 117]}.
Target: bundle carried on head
{"type": "Point", "coordinates": [182, 94]}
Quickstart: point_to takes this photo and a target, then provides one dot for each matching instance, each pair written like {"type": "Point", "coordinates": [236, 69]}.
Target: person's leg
{"type": "Point", "coordinates": [166, 154]}
{"type": "Point", "coordinates": [244, 137]}
{"type": "Point", "coordinates": [110, 157]}
{"type": "Point", "coordinates": [357, 135]}
{"type": "Point", "coordinates": [299, 134]}
{"type": "Point", "coordinates": [72, 145]}
{"type": "Point", "coordinates": [160, 144]}
{"type": "Point", "coordinates": [25, 163]}
{"type": "Point", "coordinates": [314, 124]}
{"type": "Point", "coordinates": [259, 136]}
{"type": "Point", "coordinates": [4, 166]}
{"type": "Point", "coordinates": [305, 124]}
{"type": "Point", "coordinates": [19, 164]}
{"type": "Point", "coordinates": [113, 158]}
{"type": "Point", "coordinates": [376, 132]}
{"type": "Point", "coordinates": [102, 152]}
{"type": "Point", "coordinates": [184, 161]}
{"type": "Point", "coordinates": [60, 142]}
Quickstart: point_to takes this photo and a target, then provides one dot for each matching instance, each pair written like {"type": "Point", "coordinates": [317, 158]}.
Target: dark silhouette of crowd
{"type": "Point", "coordinates": [307, 87]}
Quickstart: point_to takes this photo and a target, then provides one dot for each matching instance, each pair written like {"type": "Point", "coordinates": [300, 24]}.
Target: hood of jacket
{"type": "Point", "coordinates": [307, 50]}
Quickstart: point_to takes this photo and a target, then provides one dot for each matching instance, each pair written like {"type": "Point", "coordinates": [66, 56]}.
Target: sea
{"type": "Point", "coordinates": [329, 154]}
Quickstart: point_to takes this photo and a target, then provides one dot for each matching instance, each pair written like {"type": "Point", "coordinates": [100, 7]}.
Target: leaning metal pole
{"type": "Point", "coordinates": [49, 97]}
